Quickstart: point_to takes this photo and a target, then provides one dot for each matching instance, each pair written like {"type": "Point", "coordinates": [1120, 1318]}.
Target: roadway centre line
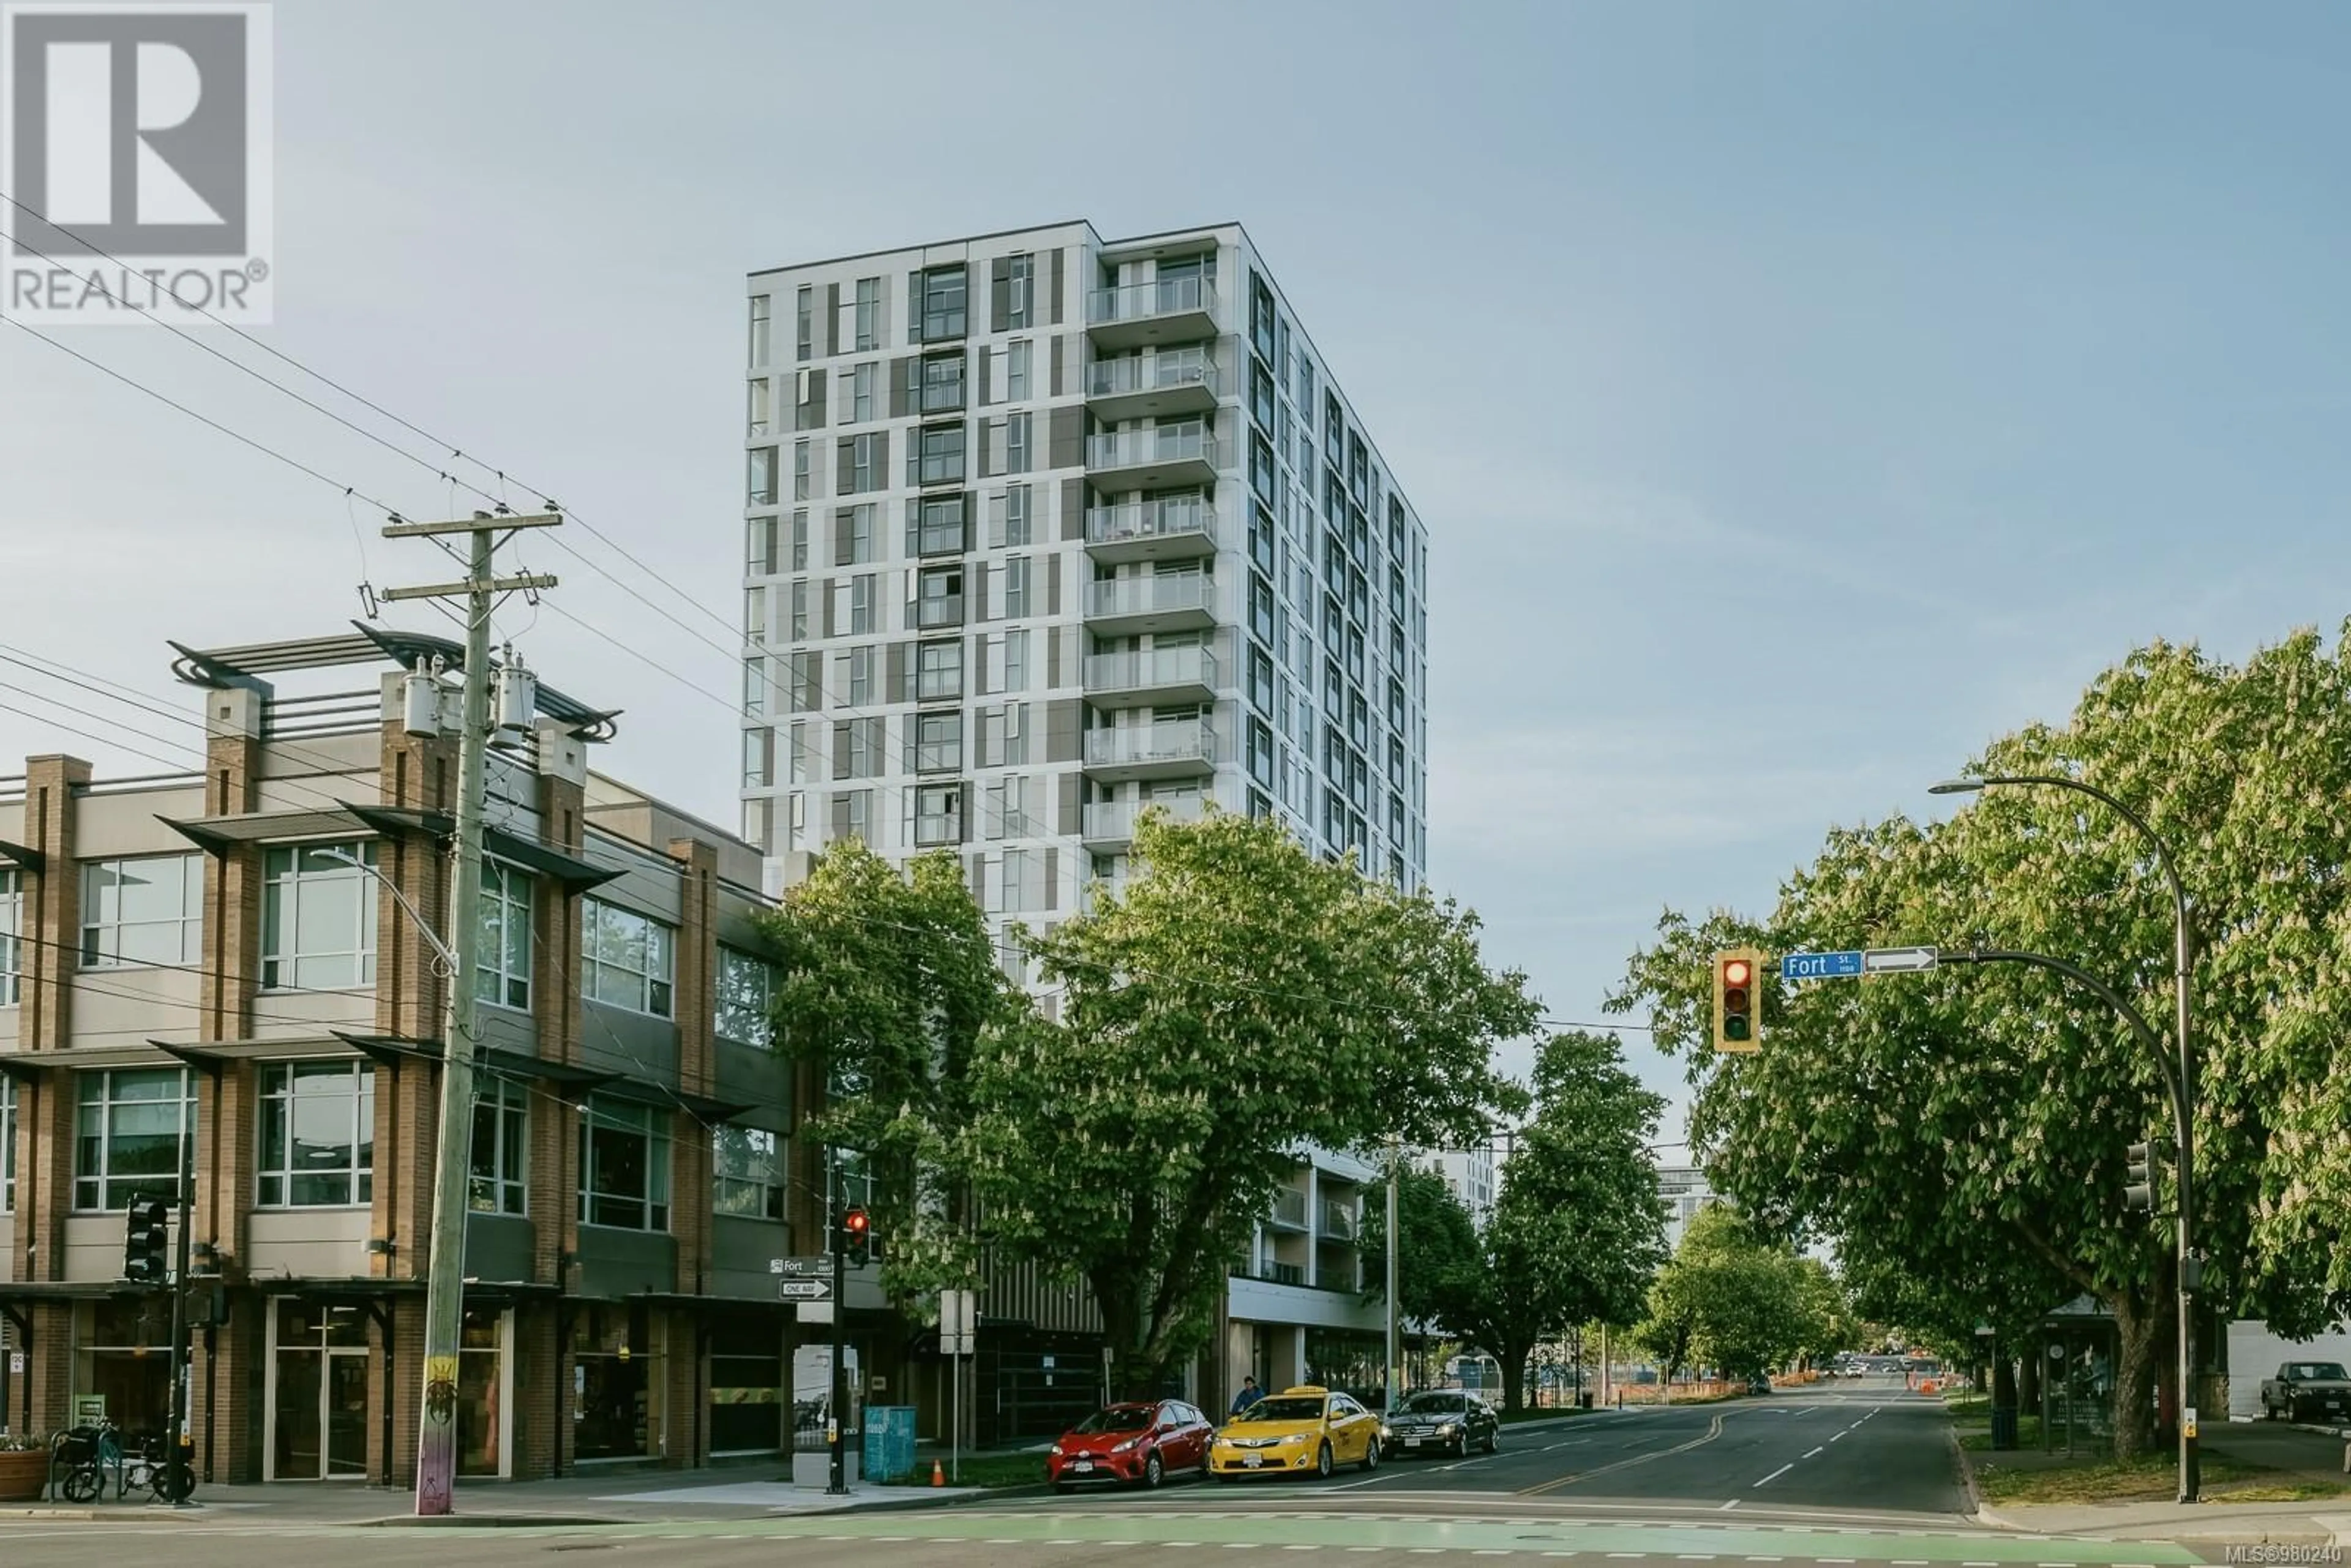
{"type": "Point", "coordinates": [1775, 1475]}
{"type": "Point", "coordinates": [1714, 1430]}
{"type": "Point", "coordinates": [1816, 1450]}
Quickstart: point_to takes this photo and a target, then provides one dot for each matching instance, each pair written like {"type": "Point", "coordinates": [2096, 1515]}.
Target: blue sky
{"type": "Point", "coordinates": [1798, 394]}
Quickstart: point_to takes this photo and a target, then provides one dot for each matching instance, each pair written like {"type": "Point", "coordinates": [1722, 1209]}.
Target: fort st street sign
{"type": "Point", "coordinates": [1850, 963]}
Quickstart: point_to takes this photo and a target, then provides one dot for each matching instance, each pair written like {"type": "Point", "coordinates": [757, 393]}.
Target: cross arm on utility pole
{"type": "Point", "coordinates": [467, 588]}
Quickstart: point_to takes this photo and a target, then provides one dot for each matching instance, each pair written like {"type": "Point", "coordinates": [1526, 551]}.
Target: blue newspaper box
{"type": "Point", "coordinates": [889, 1442]}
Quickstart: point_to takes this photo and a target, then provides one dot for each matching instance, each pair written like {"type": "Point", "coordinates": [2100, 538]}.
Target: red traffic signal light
{"type": "Point", "coordinates": [856, 1235]}
{"type": "Point", "coordinates": [1738, 1018]}
{"type": "Point", "coordinates": [855, 1225]}
{"type": "Point", "coordinates": [146, 1240]}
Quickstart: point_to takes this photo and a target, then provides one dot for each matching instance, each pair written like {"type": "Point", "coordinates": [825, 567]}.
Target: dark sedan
{"type": "Point", "coordinates": [1444, 1421]}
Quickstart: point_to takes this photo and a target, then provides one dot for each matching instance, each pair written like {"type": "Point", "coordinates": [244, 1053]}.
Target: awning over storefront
{"type": "Point", "coordinates": [401, 821]}
{"type": "Point", "coordinates": [219, 835]}
{"type": "Point", "coordinates": [393, 1051]}
{"type": "Point", "coordinates": [22, 858]}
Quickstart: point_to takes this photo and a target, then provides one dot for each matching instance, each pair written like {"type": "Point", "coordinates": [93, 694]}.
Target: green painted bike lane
{"type": "Point", "coordinates": [1392, 1533]}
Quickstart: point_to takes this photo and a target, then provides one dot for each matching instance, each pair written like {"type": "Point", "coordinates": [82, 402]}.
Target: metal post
{"type": "Point", "coordinates": [180, 1445]}
{"type": "Point", "coordinates": [837, 1460]}
{"type": "Point", "coordinates": [1394, 1373]}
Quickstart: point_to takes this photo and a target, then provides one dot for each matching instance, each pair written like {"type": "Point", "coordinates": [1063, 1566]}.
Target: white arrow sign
{"type": "Point", "coordinates": [804, 1290]}
{"type": "Point", "coordinates": [1898, 960]}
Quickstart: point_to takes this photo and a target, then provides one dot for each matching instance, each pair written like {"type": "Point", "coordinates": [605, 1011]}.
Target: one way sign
{"type": "Point", "coordinates": [804, 1290]}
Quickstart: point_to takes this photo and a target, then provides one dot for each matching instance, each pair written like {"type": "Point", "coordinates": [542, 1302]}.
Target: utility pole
{"type": "Point", "coordinates": [436, 1443]}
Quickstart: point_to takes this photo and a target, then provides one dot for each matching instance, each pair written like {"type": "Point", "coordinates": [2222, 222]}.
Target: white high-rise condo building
{"type": "Point", "coordinates": [1045, 528]}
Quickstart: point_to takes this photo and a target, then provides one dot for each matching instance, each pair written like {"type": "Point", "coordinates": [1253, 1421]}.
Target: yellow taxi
{"type": "Point", "coordinates": [1307, 1430]}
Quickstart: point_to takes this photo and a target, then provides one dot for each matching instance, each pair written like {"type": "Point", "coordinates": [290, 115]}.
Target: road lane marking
{"type": "Point", "coordinates": [1815, 1450]}
{"type": "Point", "coordinates": [1775, 1475]}
{"type": "Point", "coordinates": [1714, 1430]}
{"type": "Point", "coordinates": [1725, 1508]}
{"type": "Point", "coordinates": [1839, 1437]}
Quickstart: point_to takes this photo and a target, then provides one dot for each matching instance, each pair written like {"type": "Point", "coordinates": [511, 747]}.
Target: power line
{"type": "Point", "coordinates": [261, 448]}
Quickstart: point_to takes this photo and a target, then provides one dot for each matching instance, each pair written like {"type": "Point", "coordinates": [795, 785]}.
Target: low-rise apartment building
{"type": "Point", "coordinates": [222, 957]}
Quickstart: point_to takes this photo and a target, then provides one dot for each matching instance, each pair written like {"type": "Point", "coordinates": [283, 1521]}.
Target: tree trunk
{"type": "Point", "coordinates": [2003, 1383]}
{"type": "Point", "coordinates": [2138, 1330]}
{"type": "Point", "coordinates": [1513, 1360]}
{"type": "Point", "coordinates": [2028, 1385]}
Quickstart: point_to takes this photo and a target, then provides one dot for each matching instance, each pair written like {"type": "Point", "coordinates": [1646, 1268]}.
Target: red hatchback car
{"type": "Point", "coordinates": [1130, 1444]}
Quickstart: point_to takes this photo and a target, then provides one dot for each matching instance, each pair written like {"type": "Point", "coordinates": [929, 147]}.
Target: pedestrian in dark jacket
{"type": "Point", "coordinates": [1250, 1395]}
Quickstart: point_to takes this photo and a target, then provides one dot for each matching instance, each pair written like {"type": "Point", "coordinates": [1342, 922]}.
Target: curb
{"type": "Point", "coordinates": [49, 1514]}
{"type": "Point", "coordinates": [1968, 1480]}
{"type": "Point", "coordinates": [485, 1520]}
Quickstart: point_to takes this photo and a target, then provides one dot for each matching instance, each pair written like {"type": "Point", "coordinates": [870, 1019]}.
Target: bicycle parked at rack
{"type": "Point", "coordinates": [86, 1455]}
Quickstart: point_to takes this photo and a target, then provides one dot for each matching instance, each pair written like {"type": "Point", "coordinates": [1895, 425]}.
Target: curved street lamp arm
{"type": "Point", "coordinates": [2105, 992]}
{"type": "Point", "coordinates": [441, 950]}
{"type": "Point", "coordinates": [2155, 841]}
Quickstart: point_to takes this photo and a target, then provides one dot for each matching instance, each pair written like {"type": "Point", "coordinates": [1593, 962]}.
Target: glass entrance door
{"type": "Point", "coordinates": [319, 1391]}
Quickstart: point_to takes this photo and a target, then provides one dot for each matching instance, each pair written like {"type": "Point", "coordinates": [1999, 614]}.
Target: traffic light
{"type": "Point", "coordinates": [1739, 1000]}
{"type": "Point", "coordinates": [2138, 1178]}
{"type": "Point", "coordinates": [146, 1241]}
{"type": "Point", "coordinates": [856, 1235]}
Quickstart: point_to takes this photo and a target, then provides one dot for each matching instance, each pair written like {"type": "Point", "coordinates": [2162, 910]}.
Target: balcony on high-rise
{"type": "Point", "coordinates": [1167, 311]}
{"type": "Point", "coordinates": [1160, 385]}
{"type": "Point", "coordinates": [1166, 527]}
{"type": "Point", "coordinates": [1161, 457]}
{"type": "Point", "coordinates": [1151, 678]}
{"type": "Point", "coordinates": [1170, 602]}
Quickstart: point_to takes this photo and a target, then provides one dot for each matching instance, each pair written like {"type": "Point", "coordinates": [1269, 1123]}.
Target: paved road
{"type": "Point", "coordinates": [1836, 1476]}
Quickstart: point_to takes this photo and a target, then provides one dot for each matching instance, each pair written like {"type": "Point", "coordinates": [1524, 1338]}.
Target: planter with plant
{"type": "Point", "coordinates": [24, 1467]}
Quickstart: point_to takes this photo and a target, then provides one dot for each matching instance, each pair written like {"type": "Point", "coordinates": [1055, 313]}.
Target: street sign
{"type": "Point", "coordinates": [1821, 966]}
{"type": "Point", "coordinates": [817, 1265]}
{"type": "Point", "coordinates": [1898, 960]}
{"type": "Point", "coordinates": [804, 1290]}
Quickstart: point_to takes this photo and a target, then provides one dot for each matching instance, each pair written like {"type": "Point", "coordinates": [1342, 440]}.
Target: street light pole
{"type": "Point", "coordinates": [2182, 1079]}
{"type": "Point", "coordinates": [1394, 1374]}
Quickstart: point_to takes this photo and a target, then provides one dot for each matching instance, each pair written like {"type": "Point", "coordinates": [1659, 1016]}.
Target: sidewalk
{"type": "Point", "coordinates": [2304, 1454]}
{"type": "Point", "coordinates": [626, 1496]}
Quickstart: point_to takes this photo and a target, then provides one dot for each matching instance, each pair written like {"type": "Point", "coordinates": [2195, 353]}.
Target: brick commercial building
{"type": "Point", "coordinates": [202, 956]}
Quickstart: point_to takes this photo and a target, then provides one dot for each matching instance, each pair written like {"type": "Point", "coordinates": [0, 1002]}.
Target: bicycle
{"type": "Point", "coordinates": [87, 1453]}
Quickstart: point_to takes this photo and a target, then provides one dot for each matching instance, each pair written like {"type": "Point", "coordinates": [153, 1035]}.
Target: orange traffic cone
{"type": "Point", "coordinates": [938, 1474]}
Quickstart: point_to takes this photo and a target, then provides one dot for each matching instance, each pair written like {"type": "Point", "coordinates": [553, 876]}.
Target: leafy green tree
{"type": "Point", "coordinates": [1578, 1228]}
{"type": "Point", "coordinates": [1967, 1127]}
{"type": "Point", "coordinates": [1729, 1300]}
{"type": "Point", "coordinates": [1244, 997]}
{"type": "Point", "coordinates": [1440, 1263]}
{"type": "Point", "coordinates": [886, 984]}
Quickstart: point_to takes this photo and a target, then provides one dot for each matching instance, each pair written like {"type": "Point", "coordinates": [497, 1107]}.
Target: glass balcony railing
{"type": "Point", "coordinates": [1187, 740]}
{"type": "Point", "coordinates": [1144, 670]}
{"type": "Point", "coordinates": [1290, 1207]}
{"type": "Point", "coordinates": [935, 613]}
{"type": "Point", "coordinates": [1151, 520]}
{"type": "Point", "coordinates": [1338, 1222]}
{"type": "Point", "coordinates": [1142, 301]}
{"type": "Point", "coordinates": [1156, 595]}
{"type": "Point", "coordinates": [1156, 372]}
{"type": "Point", "coordinates": [1141, 448]}
{"type": "Point", "coordinates": [1114, 819]}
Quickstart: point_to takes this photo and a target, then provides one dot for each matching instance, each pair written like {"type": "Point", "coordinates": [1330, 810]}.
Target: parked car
{"type": "Point", "coordinates": [1307, 1429]}
{"type": "Point", "coordinates": [2308, 1391]}
{"type": "Point", "coordinates": [1136, 1444]}
{"type": "Point", "coordinates": [1758, 1383]}
{"type": "Point", "coordinates": [1443, 1421]}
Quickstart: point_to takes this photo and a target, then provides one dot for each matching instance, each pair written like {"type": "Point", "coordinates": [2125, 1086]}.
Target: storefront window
{"type": "Point", "coordinates": [482, 1393]}
{"type": "Point", "coordinates": [615, 1385]}
{"type": "Point", "coordinates": [122, 1356]}
{"type": "Point", "coordinates": [746, 1377]}
{"type": "Point", "coordinates": [319, 1391]}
